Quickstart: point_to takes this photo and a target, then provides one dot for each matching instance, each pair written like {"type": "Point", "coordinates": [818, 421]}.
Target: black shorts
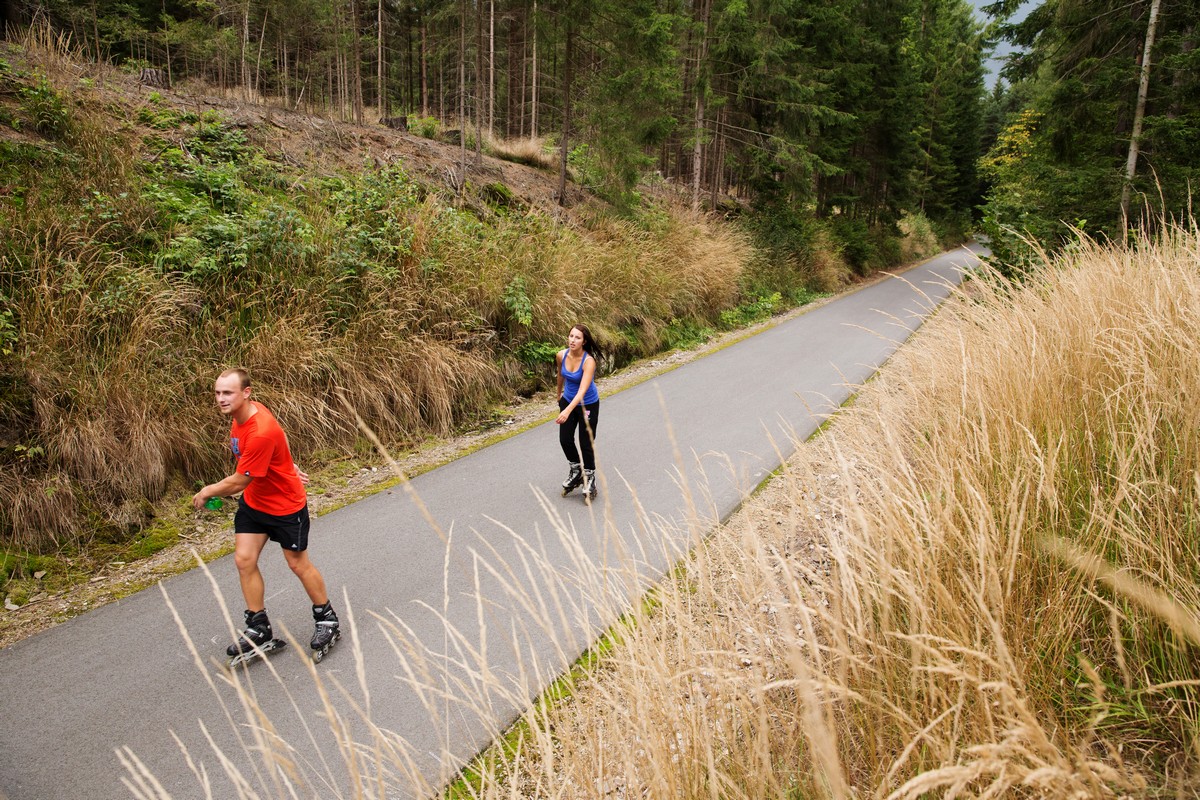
{"type": "Point", "coordinates": [291, 530]}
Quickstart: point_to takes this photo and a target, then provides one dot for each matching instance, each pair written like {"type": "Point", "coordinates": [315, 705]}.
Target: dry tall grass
{"type": "Point", "coordinates": [983, 580]}
{"type": "Point", "coordinates": [524, 150]}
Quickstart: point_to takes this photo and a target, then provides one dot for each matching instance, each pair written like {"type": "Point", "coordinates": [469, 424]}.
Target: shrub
{"type": "Point", "coordinates": [917, 238]}
{"type": "Point", "coordinates": [46, 108]}
{"type": "Point", "coordinates": [426, 127]}
{"type": "Point", "coordinates": [856, 243]}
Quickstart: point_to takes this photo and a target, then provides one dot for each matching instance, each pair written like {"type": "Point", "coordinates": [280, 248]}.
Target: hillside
{"type": "Point", "coordinates": [154, 236]}
{"type": "Point", "coordinates": [317, 145]}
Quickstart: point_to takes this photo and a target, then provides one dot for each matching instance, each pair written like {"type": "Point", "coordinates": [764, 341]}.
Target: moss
{"type": "Point", "coordinates": [19, 571]}
{"type": "Point", "coordinates": [151, 540]}
{"type": "Point", "coordinates": [499, 196]}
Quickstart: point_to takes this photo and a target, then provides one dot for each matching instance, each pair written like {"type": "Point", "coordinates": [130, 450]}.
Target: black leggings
{"type": "Point", "coordinates": [566, 432]}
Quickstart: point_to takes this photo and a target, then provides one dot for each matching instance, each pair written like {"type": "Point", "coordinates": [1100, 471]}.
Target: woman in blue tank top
{"type": "Point", "coordinates": [579, 409]}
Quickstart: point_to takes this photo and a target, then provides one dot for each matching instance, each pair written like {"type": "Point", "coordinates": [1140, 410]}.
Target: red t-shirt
{"type": "Point", "coordinates": [262, 452]}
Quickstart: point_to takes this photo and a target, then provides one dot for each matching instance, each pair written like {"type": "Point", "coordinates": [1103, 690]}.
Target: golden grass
{"type": "Point", "coordinates": [916, 623]}
{"type": "Point", "coordinates": [917, 239]}
{"type": "Point", "coordinates": [983, 580]}
{"type": "Point", "coordinates": [530, 151]}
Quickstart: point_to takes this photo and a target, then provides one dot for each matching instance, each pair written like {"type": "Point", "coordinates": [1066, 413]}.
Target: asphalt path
{"type": "Point", "coordinates": [471, 587]}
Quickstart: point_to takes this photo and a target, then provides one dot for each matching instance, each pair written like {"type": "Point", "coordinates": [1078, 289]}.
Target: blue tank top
{"type": "Point", "coordinates": [571, 382]}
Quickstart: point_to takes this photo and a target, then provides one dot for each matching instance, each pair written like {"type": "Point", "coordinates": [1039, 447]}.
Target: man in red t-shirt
{"type": "Point", "coordinates": [274, 506]}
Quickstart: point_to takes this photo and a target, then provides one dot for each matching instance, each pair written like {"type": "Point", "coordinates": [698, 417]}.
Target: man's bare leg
{"type": "Point", "coordinates": [310, 577]}
{"type": "Point", "coordinates": [247, 547]}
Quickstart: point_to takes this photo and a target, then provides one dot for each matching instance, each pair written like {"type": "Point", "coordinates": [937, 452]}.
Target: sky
{"type": "Point", "coordinates": [994, 63]}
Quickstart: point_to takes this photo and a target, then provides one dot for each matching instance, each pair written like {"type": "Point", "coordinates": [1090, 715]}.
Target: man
{"type": "Point", "coordinates": [273, 506]}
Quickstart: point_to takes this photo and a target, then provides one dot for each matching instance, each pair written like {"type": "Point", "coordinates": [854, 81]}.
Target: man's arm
{"type": "Point", "coordinates": [222, 488]}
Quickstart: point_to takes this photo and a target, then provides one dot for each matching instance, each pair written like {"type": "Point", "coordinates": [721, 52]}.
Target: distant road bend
{"type": "Point", "coordinates": [514, 575]}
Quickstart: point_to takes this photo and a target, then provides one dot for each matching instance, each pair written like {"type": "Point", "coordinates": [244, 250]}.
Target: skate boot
{"type": "Point", "coordinates": [574, 480]}
{"type": "Point", "coordinates": [254, 641]}
{"type": "Point", "coordinates": [589, 485]}
{"type": "Point", "coordinates": [327, 632]}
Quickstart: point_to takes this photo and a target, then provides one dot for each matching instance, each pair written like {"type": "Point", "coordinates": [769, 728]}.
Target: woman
{"type": "Point", "coordinates": [579, 409]}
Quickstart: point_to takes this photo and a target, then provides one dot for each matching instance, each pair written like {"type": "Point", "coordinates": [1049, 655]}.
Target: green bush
{"type": "Point", "coordinates": [516, 300]}
{"type": "Point", "coordinates": [47, 108]}
{"type": "Point", "coordinates": [686, 333]}
{"type": "Point", "coordinates": [534, 353]}
{"type": "Point", "coordinates": [8, 330]}
{"type": "Point", "coordinates": [425, 127]}
{"type": "Point", "coordinates": [857, 244]}
{"type": "Point", "coordinates": [753, 310]}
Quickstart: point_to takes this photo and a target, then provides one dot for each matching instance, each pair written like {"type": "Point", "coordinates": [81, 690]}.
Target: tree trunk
{"type": "Point", "coordinates": [533, 75]}
{"type": "Point", "coordinates": [520, 107]}
{"type": "Point", "coordinates": [479, 87]}
{"type": "Point", "coordinates": [96, 33]}
{"type": "Point", "coordinates": [424, 72]}
{"type": "Point", "coordinates": [166, 37]}
{"type": "Point", "coordinates": [262, 37]}
{"type": "Point", "coordinates": [356, 85]}
{"type": "Point", "coordinates": [380, 94]}
{"type": "Point", "coordinates": [245, 44]}
{"type": "Point", "coordinates": [717, 159]}
{"type": "Point", "coordinates": [566, 126]}
{"type": "Point", "coordinates": [1138, 114]}
{"type": "Point", "coordinates": [411, 71]}
{"type": "Point", "coordinates": [462, 85]}
{"type": "Point", "coordinates": [491, 110]}
{"type": "Point", "coordinates": [703, 12]}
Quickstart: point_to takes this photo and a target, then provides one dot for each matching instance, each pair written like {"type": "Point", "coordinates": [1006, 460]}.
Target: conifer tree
{"type": "Point", "coordinates": [1081, 70]}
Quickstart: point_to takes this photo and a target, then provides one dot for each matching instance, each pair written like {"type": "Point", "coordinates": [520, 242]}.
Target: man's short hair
{"type": "Point", "coordinates": [242, 376]}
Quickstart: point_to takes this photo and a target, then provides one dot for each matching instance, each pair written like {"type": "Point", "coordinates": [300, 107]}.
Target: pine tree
{"type": "Point", "coordinates": [1082, 73]}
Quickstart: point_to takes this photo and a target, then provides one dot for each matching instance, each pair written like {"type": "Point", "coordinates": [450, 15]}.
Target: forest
{"type": "Point", "coordinates": [847, 109]}
{"type": "Point", "coordinates": [853, 110]}
{"type": "Point", "coordinates": [813, 144]}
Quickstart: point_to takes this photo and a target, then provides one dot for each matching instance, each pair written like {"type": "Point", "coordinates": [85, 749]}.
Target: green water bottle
{"type": "Point", "coordinates": [214, 503]}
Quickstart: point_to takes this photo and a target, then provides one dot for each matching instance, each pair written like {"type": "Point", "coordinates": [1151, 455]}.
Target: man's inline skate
{"type": "Point", "coordinates": [327, 632]}
{"type": "Point", "coordinates": [255, 641]}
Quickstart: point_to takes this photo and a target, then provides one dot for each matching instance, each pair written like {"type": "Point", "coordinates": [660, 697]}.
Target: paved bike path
{"type": "Point", "coordinates": [686, 445]}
